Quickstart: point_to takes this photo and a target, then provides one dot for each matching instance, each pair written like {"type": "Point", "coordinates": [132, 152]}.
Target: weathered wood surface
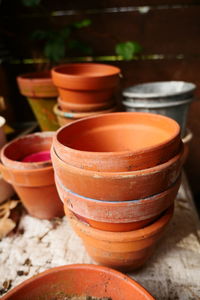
{"type": "Point", "coordinates": [172, 273]}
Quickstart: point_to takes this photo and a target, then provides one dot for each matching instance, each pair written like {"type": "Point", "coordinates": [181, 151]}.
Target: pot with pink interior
{"type": "Point", "coordinates": [85, 86]}
{"type": "Point", "coordinates": [26, 164]}
{"type": "Point", "coordinates": [118, 186]}
{"type": "Point", "coordinates": [116, 215]}
{"type": "Point", "coordinates": [121, 250]}
{"type": "Point", "coordinates": [118, 142]}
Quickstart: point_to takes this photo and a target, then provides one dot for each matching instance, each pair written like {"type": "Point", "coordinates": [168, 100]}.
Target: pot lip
{"type": "Point", "coordinates": [2, 121]}
{"type": "Point", "coordinates": [127, 174]}
{"type": "Point", "coordinates": [56, 71]}
{"type": "Point", "coordinates": [86, 267]}
{"type": "Point", "coordinates": [128, 92]}
{"type": "Point", "coordinates": [113, 204]}
{"type": "Point", "coordinates": [26, 166]}
{"type": "Point", "coordinates": [188, 136]}
{"type": "Point", "coordinates": [70, 114]}
{"type": "Point", "coordinates": [34, 77]}
{"type": "Point", "coordinates": [105, 155]}
{"type": "Point", "coordinates": [128, 236]}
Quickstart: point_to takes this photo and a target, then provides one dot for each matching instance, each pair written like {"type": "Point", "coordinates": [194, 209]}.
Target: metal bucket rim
{"type": "Point", "coordinates": [130, 94]}
{"type": "Point", "coordinates": [131, 103]}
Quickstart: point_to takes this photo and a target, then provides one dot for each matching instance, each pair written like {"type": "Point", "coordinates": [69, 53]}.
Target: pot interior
{"type": "Point", "coordinates": [30, 148]}
{"type": "Point", "coordinates": [58, 283]}
{"type": "Point", "coordinates": [87, 70]}
{"type": "Point", "coordinates": [118, 132]}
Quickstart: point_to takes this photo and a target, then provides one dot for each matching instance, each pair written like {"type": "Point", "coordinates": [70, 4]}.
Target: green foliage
{"type": "Point", "coordinates": [30, 3]}
{"type": "Point", "coordinates": [58, 42]}
{"type": "Point", "coordinates": [128, 49]}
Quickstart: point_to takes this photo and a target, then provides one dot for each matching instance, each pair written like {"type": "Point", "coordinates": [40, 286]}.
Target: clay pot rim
{"type": "Point", "coordinates": [118, 153]}
{"type": "Point", "coordinates": [120, 203]}
{"type": "Point", "coordinates": [70, 114]}
{"type": "Point", "coordinates": [27, 165]}
{"type": "Point", "coordinates": [56, 71]}
{"type": "Point", "coordinates": [188, 136]}
{"type": "Point", "coordinates": [34, 77]}
{"type": "Point", "coordinates": [127, 174]}
{"type": "Point", "coordinates": [86, 267]}
{"type": "Point", "coordinates": [2, 121]}
{"type": "Point", "coordinates": [122, 237]}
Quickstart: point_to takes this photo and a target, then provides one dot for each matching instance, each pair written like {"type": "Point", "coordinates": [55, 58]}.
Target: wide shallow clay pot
{"type": "Point", "coordinates": [118, 142]}
{"type": "Point", "coordinates": [79, 280]}
{"type": "Point", "coordinates": [85, 86]}
{"type": "Point", "coordinates": [66, 117]}
{"type": "Point", "coordinates": [121, 250]}
{"type": "Point", "coordinates": [118, 186]}
{"type": "Point", "coordinates": [33, 181]}
{"type": "Point", "coordinates": [118, 215]}
{"type": "Point", "coordinates": [41, 94]}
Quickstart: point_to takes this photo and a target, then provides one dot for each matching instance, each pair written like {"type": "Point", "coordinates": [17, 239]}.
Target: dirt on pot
{"type": "Point", "coordinates": [79, 298]}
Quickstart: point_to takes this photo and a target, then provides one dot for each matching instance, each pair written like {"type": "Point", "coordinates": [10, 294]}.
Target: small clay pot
{"type": "Point", "coordinates": [69, 116]}
{"type": "Point", "coordinates": [118, 142]}
{"type": "Point", "coordinates": [121, 250]}
{"type": "Point", "coordinates": [33, 181]}
{"type": "Point", "coordinates": [79, 280]}
{"type": "Point", "coordinates": [2, 133]}
{"type": "Point", "coordinates": [6, 190]}
{"type": "Point", "coordinates": [118, 186]}
{"type": "Point", "coordinates": [116, 215]}
{"type": "Point", "coordinates": [37, 85]}
{"type": "Point", "coordinates": [81, 106]}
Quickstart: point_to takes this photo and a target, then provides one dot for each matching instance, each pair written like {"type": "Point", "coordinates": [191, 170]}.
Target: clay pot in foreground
{"type": "Point", "coordinates": [79, 280]}
{"type": "Point", "coordinates": [118, 142]}
{"type": "Point", "coordinates": [66, 117]}
{"type": "Point", "coordinates": [118, 186]}
{"type": "Point", "coordinates": [33, 181]}
{"type": "Point", "coordinates": [121, 250]}
{"type": "Point", "coordinates": [116, 215]}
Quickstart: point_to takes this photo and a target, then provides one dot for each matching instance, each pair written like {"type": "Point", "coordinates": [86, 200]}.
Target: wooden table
{"type": "Point", "coordinates": [172, 273]}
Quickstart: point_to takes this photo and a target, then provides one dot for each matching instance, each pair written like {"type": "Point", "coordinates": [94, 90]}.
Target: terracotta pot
{"type": "Point", "coordinates": [41, 94]}
{"type": "Point", "coordinates": [81, 106]}
{"type": "Point", "coordinates": [6, 190]}
{"type": "Point", "coordinates": [37, 85]}
{"type": "Point", "coordinates": [69, 116]}
{"type": "Point", "coordinates": [118, 216]}
{"type": "Point", "coordinates": [85, 86]}
{"type": "Point", "coordinates": [33, 182]}
{"type": "Point", "coordinates": [118, 186]}
{"type": "Point", "coordinates": [118, 142]}
{"type": "Point", "coordinates": [82, 279]}
{"type": "Point", "coordinates": [122, 250]}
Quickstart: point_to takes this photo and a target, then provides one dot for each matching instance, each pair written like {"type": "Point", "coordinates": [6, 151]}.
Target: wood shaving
{"type": "Point", "coordinates": [6, 223]}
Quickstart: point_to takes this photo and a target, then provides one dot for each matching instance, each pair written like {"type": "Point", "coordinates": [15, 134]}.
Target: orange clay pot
{"type": "Point", "coordinates": [85, 86]}
{"type": "Point", "coordinates": [79, 280]}
{"type": "Point", "coordinates": [118, 142]}
{"type": "Point", "coordinates": [33, 182]}
{"type": "Point", "coordinates": [118, 186]}
{"type": "Point", "coordinates": [37, 85]}
{"type": "Point", "coordinates": [121, 250]}
{"type": "Point", "coordinates": [80, 106]}
{"type": "Point", "coordinates": [118, 216]}
{"type": "Point", "coordinates": [67, 117]}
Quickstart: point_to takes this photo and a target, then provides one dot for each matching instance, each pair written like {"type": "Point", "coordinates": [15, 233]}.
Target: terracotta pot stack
{"type": "Point", "coordinates": [118, 175]}
{"type": "Point", "coordinates": [84, 89]}
{"type": "Point", "coordinates": [26, 164]}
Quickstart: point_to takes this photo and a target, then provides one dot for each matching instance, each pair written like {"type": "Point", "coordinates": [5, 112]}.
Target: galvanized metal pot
{"type": "Point", "coordinates": [169, 98]}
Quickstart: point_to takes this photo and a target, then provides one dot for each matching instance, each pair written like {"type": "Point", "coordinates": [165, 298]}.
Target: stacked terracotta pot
{"type": "Point", "coordinates": [118, 175]}
{"type": "Point", "coordinates": [84, 89]}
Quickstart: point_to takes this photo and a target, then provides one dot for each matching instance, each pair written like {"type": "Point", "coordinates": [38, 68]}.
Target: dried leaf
{"type": "Point", "coordinates": [6, 226]}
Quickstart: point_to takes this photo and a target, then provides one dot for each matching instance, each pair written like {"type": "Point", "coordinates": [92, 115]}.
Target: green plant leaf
{"type": "Point", "coordinates": [81, 24]}
{"type": "Point", "coordinates": [79, 46]}
{"type": "Point", "coordinates": [54, 50]}
{"type": "Point", "coordinates": [65, 32]}
{"type": "Point", "coordinates": [128, 49]}
{"type": "Point", "coordinates": [30, 3]}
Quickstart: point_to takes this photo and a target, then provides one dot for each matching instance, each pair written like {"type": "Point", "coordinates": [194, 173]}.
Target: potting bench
{"type": "Point", "coordinates": [172, 273]}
